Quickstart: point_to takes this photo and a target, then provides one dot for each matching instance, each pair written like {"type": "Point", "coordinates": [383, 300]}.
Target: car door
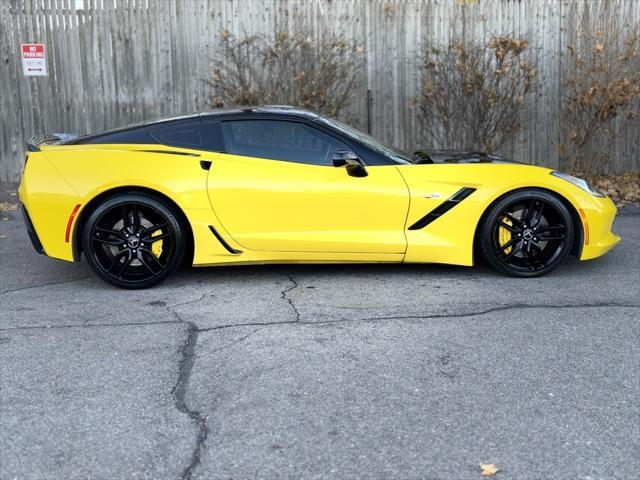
{"type": "Point", "coordinates": [276, 190]}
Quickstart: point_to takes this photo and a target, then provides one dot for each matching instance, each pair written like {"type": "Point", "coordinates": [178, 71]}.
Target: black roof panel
{"type": "Point", "coordinates": [213, 115]}
{"type": "Point", "coordinates": [274, 110]}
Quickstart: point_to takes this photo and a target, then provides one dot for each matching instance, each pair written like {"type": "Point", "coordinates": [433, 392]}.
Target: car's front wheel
{"type": "Point", "coordinates": [527, 233]}
{"type": "Point", "coordinates": [133, 240]}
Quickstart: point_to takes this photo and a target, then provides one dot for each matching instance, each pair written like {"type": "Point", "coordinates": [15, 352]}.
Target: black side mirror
{"type": "Point", "coordinates": [348, 159]}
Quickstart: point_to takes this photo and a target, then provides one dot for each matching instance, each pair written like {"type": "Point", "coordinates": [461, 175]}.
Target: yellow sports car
{"type": "Point", "coordinates": [279, 184]}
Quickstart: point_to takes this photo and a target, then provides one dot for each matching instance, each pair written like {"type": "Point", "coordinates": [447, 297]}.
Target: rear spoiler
{"type": "Point", "coordinates": [34, 142]}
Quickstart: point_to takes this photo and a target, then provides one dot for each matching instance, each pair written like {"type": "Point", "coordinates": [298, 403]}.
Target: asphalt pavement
{"type": "Point", "coordinates": [313, 372]}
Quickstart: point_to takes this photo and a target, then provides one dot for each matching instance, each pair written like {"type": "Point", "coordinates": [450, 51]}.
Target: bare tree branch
{"type": "Point", "coordinates": [472, 95]}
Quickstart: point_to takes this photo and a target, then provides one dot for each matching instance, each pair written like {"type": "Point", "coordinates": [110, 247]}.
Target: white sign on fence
{"type": "Point", "coordinates": [34, 60]}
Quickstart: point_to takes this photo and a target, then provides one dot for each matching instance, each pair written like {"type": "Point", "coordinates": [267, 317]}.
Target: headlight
{"type": "Point", "coordinates": [578, 182]}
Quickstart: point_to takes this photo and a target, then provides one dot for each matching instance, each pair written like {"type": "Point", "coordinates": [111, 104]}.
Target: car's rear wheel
{"type": "Point", "coordinates": [526, 233]}
{"type": "Point", "coordinates": [133, 240]}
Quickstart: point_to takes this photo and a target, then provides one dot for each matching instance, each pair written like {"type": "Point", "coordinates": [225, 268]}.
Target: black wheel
{"type": "Point", "coordinates": [526, 234]}
{"type": "Point", "coordinates": [133, 240]}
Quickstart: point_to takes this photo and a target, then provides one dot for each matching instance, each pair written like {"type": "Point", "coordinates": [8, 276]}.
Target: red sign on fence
{"type": "Point", "coordinates": [34, 59]}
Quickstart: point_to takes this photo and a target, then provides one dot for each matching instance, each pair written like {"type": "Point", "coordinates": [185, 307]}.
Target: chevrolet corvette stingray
{"type": "Point", "coordinates": [280, 184]}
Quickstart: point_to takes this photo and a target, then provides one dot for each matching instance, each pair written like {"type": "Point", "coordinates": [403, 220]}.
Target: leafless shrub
{"type": "Point", "coordinates": [472, 95]}
{"type": "Point", "coordinates": [602, 88]}
{"type": "Point", "coordinates": [288, 69]}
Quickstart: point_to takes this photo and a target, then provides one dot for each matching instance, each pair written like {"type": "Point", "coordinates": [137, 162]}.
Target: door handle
{"type": "Point", "coordinates": [205, 164]}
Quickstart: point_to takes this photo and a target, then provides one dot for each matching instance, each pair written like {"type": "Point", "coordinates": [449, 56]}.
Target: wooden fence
{"type": "Point", "coordinates": [115, 62]}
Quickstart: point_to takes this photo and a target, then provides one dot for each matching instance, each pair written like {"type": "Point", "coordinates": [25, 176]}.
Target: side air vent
{"type": "Point", "coordinates": [226, 246]}
{"type": "Point", "coordinates": [443, 208]}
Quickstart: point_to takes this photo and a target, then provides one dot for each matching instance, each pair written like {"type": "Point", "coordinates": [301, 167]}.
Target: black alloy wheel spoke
{"type": "Point", "coordinates": [512, 253]}
{"type": "Point", "coordinates": [539, 215]}
{"type": "Point", "coordinates": [116, 259]}
{"type": "Point", "coordinates": [155, 228]}
{"type": "Point", "coordinates": [146, 264]}
{"type": "Point", "coordinates": [115, 243]}
{"type": "Point", "coordinates": [528, 249]}
{"type": "Point", "coordinates": [510, 243]}
{"type": "Point", "coordinates": [109, 231]}
{"type": "Point", "coordinates": [135, 217]}
{"type": "Point", "coordinates": [125, 216]}
{"type": "Point", "coordinates": [545, 238]}
{"type": "Point", "coordinates": [152, 260]}
{"type": "Point", "coordinates": [535, 214]}
{"type": "Point", "coordinates": [550, 228]}
{"type": "Point", "coordinates": [155, 261]}
{"type": "Point", "coordinates": [513, 220]}
{"type": "Point", "coordinates": [537, 248]}
{"type": "Point", "coordinates": [511, 228]}
{"type": "Point", "coordinates": [154, 238]}
{"type": "Point", "coordinates": [526, 215]}
{"type": "Point", "coordinates": [125, 264]}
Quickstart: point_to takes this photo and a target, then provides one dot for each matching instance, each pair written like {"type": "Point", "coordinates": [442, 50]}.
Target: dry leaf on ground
{"type": "Point", "coordinates": [6, 206]}
{"type": "Point", "coordinates": [489, 469]}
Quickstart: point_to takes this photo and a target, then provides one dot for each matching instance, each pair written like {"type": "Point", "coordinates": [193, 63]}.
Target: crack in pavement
{"type": "Point", "coordinates": [284, 294]}
{"type": "Point", "coordinates": [501, 308]}
{"type": "Point", "coordinates": [420, 317]}
{"type": "Point", "coordinates": [179, 392]}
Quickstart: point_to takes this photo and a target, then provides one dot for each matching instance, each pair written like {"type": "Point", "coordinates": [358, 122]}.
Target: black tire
{"type": "Point", "coordinates": [133, 240]}
{"type": "Point", "coordinates": [527, 233]}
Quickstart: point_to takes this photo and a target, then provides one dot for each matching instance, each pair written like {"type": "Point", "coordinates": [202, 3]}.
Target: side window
{"type": "Point", "coordinates": [280, 140]}
{"type": "Point", "coordinates": [186, 135]}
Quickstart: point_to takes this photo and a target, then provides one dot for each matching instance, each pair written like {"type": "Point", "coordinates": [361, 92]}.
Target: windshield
{"type": "Point", "coordinates": [393, 153]}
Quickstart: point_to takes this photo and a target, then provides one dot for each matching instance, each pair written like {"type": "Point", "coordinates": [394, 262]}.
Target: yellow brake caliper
{"type": "Point", "coordinates": [156, 247]}
{"type": "Point", "coordinates": [504, 235]}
